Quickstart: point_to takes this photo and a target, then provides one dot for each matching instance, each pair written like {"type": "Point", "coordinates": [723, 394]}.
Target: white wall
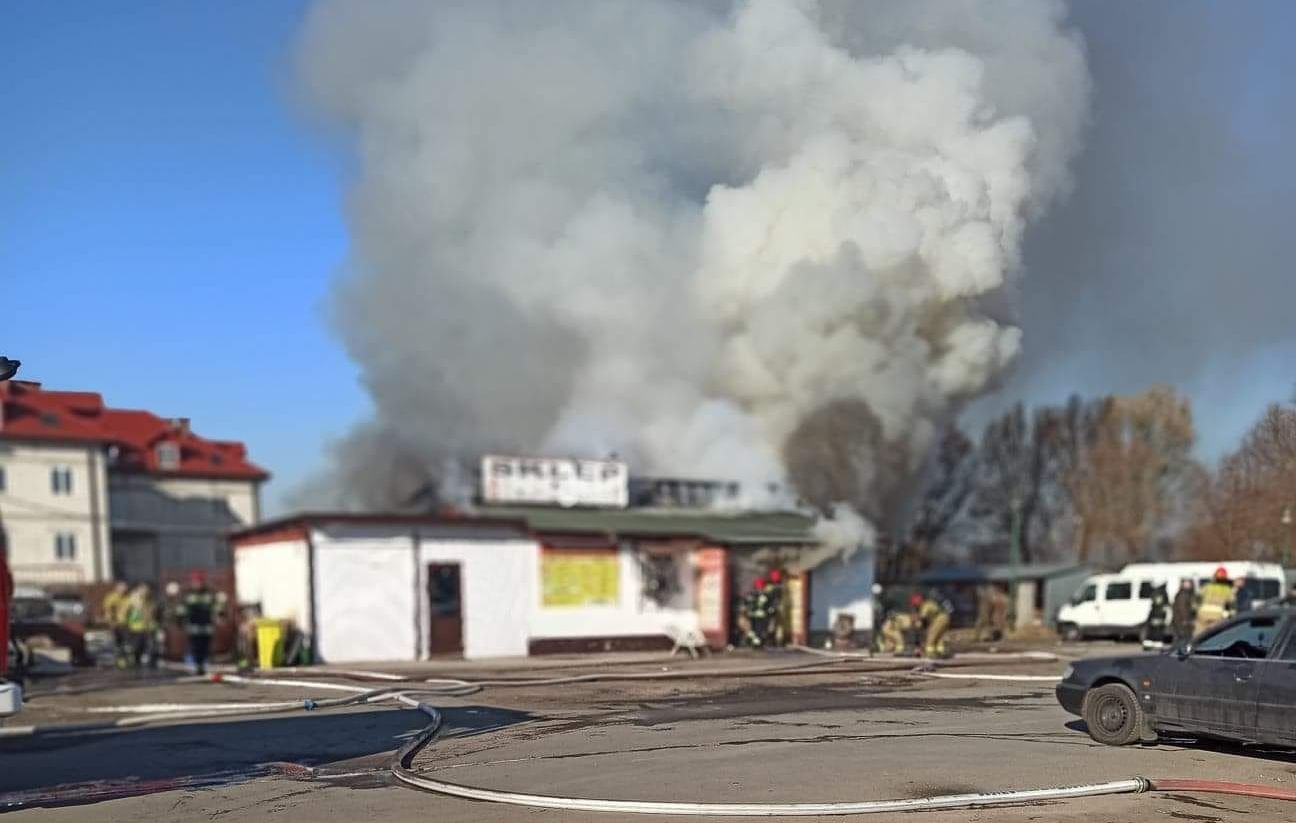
{"type": "Point", "coordinates": [633, 615]}
{"type": "Point", "coordinates": [843, 585]}
{"type": "Point", "coordinates": [32, 514]}
{"type": "Point", "coordinates": [497, 579]}
{"type": "Point", "coordinates": [275, 575]}
{"type": "Point", "coordinates": [365, 595]}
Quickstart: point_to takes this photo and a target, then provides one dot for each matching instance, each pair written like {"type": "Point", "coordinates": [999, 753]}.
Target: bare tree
{"type": "Point", "coordinates": [1241, 509]}
{"type": "Point", "coordinates": [1023, 463]}
{"type": "Point", "coordinates": [1134, 474]}
{"type": "Point", "coordinates": [949, 485]}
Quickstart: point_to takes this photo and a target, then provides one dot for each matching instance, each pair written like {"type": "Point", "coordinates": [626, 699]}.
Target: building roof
{"type": "Point", "coordinates": [761, 528]}
{"type": "Point", "coordinates": [30, 412]}
{"type": "Point", "coordinates": [717, 526]}
{"type": "Point", "coordinates": [997, 573]}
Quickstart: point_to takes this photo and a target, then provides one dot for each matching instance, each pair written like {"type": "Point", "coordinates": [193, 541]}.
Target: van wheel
{"type": "Point", "coordinates": [1113, 715]}
{"type": "Point", "coordinates": [1070, 632]}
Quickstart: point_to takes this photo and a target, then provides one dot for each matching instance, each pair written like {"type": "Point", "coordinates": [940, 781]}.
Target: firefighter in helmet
{"type": "Point", "coordinates": [757, 609]}
{"type": "Point", "coordinates": [1217, 601]}
{"type": "Point", "coordinates": [934, 620]}
{"type": "Point", "coordinates": [197, 613]}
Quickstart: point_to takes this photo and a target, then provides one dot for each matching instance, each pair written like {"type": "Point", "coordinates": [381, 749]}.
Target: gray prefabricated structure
{"type": "Point", "coordinates": [1042, 588]}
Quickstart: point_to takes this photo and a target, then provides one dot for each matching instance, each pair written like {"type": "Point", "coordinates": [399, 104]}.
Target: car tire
{"type": "Point", "coordinates": [1070, 632]}
{"type": "Point", "coordinates": [1113, 715]}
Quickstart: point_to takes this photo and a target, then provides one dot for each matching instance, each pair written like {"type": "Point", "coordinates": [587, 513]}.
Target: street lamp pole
{"type": "Point", "coordinates": [1287, 536]}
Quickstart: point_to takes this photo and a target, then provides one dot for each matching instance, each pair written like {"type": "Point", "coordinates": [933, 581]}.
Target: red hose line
{"type": "Point", "coordinates": [1176, 784]}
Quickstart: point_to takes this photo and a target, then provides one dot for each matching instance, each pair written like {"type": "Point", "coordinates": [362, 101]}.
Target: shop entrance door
{"type": "Point", "coordinates": [445, 614]}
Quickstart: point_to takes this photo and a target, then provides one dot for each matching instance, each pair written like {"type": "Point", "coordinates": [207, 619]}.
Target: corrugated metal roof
{"type": "Point", "coordinates": [720, 527]}
{"type": "Point", "coordinates": [750, 528]}
{"type": "Point", "coordinates": [997, 573]}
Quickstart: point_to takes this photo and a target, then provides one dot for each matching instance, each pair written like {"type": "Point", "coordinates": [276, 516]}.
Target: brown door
{"type": "Point", "coordinates": [445, 616]}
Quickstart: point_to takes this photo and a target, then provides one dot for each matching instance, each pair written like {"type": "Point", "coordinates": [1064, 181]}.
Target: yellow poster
{"type": "Point", "coordinates": [580, 578]}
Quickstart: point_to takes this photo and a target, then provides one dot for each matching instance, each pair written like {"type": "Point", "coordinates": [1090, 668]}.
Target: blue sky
{"type": "Point", "coordinates": [169, 224]}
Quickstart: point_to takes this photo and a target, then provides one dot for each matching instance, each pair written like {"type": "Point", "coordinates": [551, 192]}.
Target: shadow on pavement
{"type": "Point", "coordinates": [160, 753]}
{"type": "Point", "coordinates": [1202, 744]}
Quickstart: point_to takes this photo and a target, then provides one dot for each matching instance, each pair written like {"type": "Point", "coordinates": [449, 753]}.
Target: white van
{"type": "Point", "coordinates": [1117, 605]}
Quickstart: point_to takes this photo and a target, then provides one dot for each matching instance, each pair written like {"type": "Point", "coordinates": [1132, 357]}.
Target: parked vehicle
{"type": "Point", "coordinates": [68, 606]}
{"type": "Point", "coordinates": [1236, 682]}
{"type": "Point", "coordinates": [1117, 605]}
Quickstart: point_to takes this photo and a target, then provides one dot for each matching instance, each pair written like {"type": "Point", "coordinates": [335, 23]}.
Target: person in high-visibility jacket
{"type": "Point", "coordinates": [197, 612]}
{"type": "Point", "coordinates": [113, 609]}
{"type": "Point", "coordinates": [895, 633]}
{"type": "Point", "coordinates": [141, 624]}
{"type": "Point", "coordinates": [935, 622]}
{"type": "Point", "coordinates": [1217, 601]}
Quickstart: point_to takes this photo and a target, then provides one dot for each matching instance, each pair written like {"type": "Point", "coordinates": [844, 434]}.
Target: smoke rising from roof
{"type": "Point", "coordinates": [712, 239]}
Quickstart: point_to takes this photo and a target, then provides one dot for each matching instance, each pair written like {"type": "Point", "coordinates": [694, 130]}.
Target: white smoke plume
{"type": "Point", "coordinates": [772, 240]}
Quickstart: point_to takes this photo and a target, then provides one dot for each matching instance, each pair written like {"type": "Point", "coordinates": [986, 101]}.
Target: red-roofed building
{"type": "Point", "coordinates": [90, 493]}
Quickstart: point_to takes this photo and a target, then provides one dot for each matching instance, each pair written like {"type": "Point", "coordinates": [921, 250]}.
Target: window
{"type": "Point", "coordinates": [61, 480]}
{"type": "Point", "coordinates": [1146, 589]}
{"type": "Point", "coordinates": [1249, 638]}
{"type": "Point", "coordinates": [1119, 591]}
{"type": "Point", "coordinates": [65, 546]}
{"type": "Point", "coordinates": [1261, 588]}
{"type": "Point", "coordinates": [168, 455]}
{"type": "Point", "coordinates": [3, 479]}
{"type": "Point", "coordinates": [1086, 595]}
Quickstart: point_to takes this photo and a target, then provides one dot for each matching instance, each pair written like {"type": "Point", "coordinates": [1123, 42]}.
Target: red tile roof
{"type": "Point", "coordinates": [29, 412]}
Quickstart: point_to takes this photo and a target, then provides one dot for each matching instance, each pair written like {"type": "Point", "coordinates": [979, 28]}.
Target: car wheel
{"type": "Point", "coordinates": [1113, 715]}
{"type": "Point", "coordinates": [1070, 632]}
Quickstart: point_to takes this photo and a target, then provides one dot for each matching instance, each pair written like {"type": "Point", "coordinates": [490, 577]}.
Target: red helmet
{"type": "Point", "coordinates": [1221, 573]}
{"type": "Point", "coordinates": [197, 578]}
{"type": "Point", "coordinates": [776, 576]}
{"type": "Point", "coordinates": [759, 584]}
{"type": "Point", "coordinates": [915, 599]}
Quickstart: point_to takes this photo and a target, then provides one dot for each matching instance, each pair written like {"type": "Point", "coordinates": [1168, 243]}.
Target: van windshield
{"type": "Point", "coordinates": [1261, 588]}
{"type": "Point", "coordinates": [1089, 592]}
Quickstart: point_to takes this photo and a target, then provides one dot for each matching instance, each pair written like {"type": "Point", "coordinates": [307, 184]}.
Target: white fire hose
{"type": "Point", "coordinates": [400, 764]}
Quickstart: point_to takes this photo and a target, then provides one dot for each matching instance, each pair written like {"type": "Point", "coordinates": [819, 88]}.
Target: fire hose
{"type": "Point", "coordinates": [400, 766]}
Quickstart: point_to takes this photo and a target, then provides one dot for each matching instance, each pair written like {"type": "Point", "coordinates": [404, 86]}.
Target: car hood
{"type": "Point", "coordinates": [1116, 663]}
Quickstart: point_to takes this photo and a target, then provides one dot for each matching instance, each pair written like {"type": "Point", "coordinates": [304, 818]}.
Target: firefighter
{"type": "Point", "coordinates": [934, 620]}
{"type": "Point", "coordinates": [141, 623]}
{"type": "Point", "coordinates": [197, 616]}
{"type": "Point", "coordinates": [1183, 612]}
{"type": "Point", "coordinates": [1155, 629]}
{"type": "Point", "coordinates": [1217, 601]}
{"type": "Point", "coordinates": [982, 630]}
{"type": "Point", "coordinates": [998, 612]}
{"type": "Point", "coordinates": [113, 608]}
{"type": "Point", "coordinates": [776, 591]}
{"type": "Point", "coordinates": [756, 608]}
{"type": "Point", "coordinates": [895, 633]}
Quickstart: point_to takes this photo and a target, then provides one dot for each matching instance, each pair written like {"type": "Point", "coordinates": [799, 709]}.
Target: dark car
{"type": "Point", "coordinates": [1236, 681]}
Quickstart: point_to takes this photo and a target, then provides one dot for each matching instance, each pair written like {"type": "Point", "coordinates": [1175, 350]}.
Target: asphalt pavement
{"type": "Point", "coordinates": [844, 734]}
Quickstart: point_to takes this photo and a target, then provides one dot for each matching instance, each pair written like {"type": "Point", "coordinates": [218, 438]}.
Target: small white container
{"type": "Point", "coordinates": [10, 699]}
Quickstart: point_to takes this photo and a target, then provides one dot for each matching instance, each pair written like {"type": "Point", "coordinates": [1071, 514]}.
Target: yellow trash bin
{"type": "Point", "coordinates": [269, 633]}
